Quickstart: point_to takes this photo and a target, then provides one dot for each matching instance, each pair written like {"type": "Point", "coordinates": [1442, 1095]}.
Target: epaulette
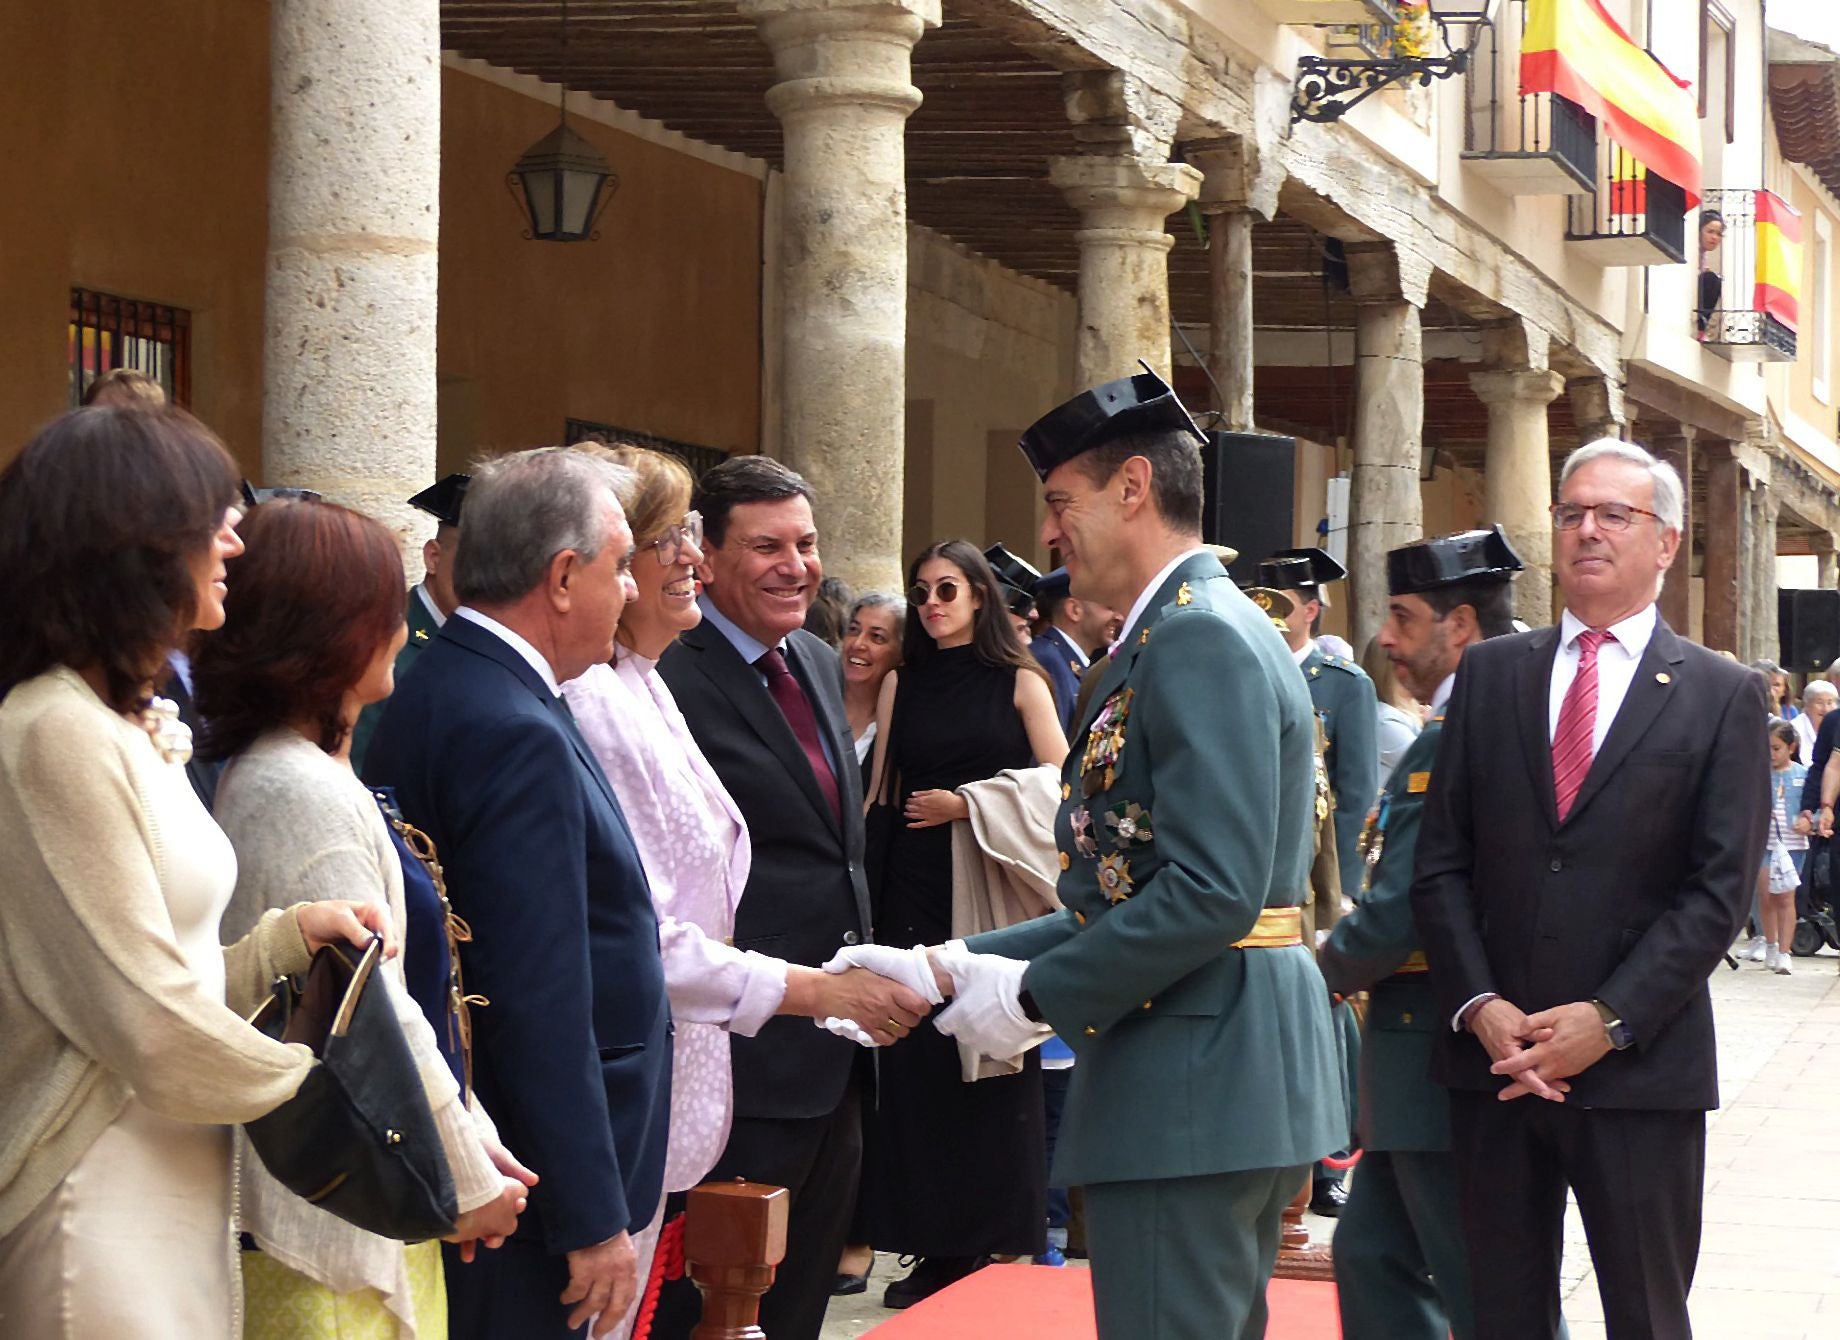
{"type": "Point", "coordinates": [1343, 664]}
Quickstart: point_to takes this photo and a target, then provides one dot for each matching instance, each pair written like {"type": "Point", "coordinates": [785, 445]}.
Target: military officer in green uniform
{"type": "Point", "coordinates": [431, 601]}
{"type": "Point", "coordinates": [1206, 1082]}
{"type": "Point", "coordinates": [1399, 1263]}
{"type": "Point", "coordinates": [1345, 703]}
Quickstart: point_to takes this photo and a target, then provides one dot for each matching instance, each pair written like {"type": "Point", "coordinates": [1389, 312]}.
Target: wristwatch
{"type": "Point", "coordinates": [1621, 1039]}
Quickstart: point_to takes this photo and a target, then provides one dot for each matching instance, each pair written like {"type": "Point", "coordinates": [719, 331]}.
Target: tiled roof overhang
{"type": "Point", "coordinates": [1805, 103]}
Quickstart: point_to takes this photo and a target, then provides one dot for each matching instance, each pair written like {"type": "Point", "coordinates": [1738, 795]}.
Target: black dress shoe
{"type": "Point", "coordinates": [1327, 1198]}
{"type": "Point", "coordinates": [929, 1275]}
{"type": "Point", "coordinates": [849, 1284]}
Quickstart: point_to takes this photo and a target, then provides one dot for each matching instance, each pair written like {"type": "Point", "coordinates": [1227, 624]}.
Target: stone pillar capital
{"type": "Point", "coordinates": [1506, 386]}
{"type": "Point", "coordinates": [1114, 113]}
{"type": "Point", "coordinates": [1125, 194]}
{"type": "Point", "coordinates": [1597, 406]}
{"type": "Point", "coordinates": [1380, 272]}
{"type": "Point", "coordinates": [1235, 176]}
{"type": "Point", "coordinates": [842, 53]}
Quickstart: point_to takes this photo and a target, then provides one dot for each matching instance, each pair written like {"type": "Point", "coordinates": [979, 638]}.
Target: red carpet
{"type": "Point", "coordinates": [1044, 1303]}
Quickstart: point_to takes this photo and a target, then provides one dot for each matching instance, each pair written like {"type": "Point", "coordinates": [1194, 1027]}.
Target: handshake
{"type": "Point", "coordinates": [901, 985]}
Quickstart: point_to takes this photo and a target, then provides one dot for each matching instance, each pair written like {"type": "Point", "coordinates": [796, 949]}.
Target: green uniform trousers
{"type": "Point", "coordinates": [1400, 1270]}
{"type": "Point", "coordinates": [1186, 1258]}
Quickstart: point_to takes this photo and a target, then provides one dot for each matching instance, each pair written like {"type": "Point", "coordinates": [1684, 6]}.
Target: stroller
{"type": "Point", "coordinates": [1814, 911]}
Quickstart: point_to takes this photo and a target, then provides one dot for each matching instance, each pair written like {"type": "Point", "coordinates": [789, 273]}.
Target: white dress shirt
{"type": "Point", "coordinates": [516, 642]}
{"type": "Point", "coordinates": [1616, 668]}
{"type": "Point", "coordinates": [1302, 654]}
{"type": "Point", "coordinates": [1442, 695]}
{"type": "Point", "coordinates": [434, 610]}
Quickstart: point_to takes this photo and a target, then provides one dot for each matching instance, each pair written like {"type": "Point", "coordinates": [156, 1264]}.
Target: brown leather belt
{"type": "Point", "coordinates": [1276, 928]}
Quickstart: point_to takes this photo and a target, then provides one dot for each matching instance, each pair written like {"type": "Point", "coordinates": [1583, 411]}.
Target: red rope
{"type": "Point", "coordinates": [667, 1264]}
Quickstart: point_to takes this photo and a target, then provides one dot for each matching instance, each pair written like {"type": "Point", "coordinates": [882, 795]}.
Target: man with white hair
{"type": "Point", "coordinates": [1585, 860]}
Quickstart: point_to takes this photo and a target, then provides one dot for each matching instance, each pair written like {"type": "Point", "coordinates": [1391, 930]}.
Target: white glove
{"type": "Point", "coordinates": [905, 967]}
{"type": "Point", "coordinates": [845, 1028]}
{"type": "Point", "coordinates": [987, 1014]}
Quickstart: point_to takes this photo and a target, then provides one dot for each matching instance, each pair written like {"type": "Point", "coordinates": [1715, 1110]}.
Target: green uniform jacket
{"type": "Point", "coordinates": [1189, 793]}
{"type": "Point", "coordinates": [422, 631]}
{"type": "Point", "coordinates": [1401, 1109]}
{"type": "Point", "coordinates": [1344, 698]}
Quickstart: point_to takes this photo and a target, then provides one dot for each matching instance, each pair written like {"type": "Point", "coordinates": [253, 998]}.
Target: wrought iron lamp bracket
{"type": "Point", "coordinates": [1327, 89]}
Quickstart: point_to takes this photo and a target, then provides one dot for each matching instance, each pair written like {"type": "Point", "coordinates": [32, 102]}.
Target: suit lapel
{"type": "Point", "coordinates": [1656, 674]}
{"type": "Point", "coordinates": [742, 685]}
{"type": "Point", "coordinates": [1532, 697]}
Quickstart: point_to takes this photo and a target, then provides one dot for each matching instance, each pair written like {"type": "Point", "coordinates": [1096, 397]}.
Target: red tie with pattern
{"type": "Point", "coordinates": [1571, 746]}
{"type": "Point", "coordinates": [796, 708]}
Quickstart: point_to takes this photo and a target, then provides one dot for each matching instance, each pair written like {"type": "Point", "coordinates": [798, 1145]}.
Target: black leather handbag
{"type": "Point", "coordinates": [357, 1139]}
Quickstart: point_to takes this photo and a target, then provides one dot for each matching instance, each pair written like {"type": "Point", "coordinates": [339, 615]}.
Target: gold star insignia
{"type": "Point", "coordinates": [1144, 638]}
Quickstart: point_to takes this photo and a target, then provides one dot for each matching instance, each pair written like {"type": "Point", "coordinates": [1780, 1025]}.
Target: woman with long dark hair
{"type": "Point", "coordinates": [124, 1058]}
{"type": "Point", "coordinates": [315, 619]}
{"type": "Point", "coordinates": [953, 1172]}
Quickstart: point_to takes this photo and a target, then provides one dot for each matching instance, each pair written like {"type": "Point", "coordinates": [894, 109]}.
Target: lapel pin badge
{"type": "Point", "coordinates": [1662, 677]}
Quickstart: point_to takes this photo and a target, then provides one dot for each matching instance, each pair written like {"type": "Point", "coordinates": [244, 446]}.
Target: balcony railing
{"type": "Point", "coordinates": [1526, 144]}
{"type": "Point", "coordinates": [1725, 314]}
{"type": "Point", "coordinates": [1632, 217]}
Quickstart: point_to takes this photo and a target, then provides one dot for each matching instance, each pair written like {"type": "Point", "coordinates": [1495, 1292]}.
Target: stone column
{"type": "Point", "coordinates": [1517, 477]}
{"type": "Point", "coordinates": [1597, 407]}
{"type": "Point", "coordinates": [1385, 507]}
{"type": "Point", "coordinates": [354, 202]}
{"type": "Point", "coordinates": [1761, 630]}
{"type": "Point", "coordinates": [1236, 190]}
{"type": "Point", "coordinates": [1676, 448]}
{"type": "Point", "coordinates": [1720, 569]}
{"type": "Point", "coordinates": [844, 93]}
{"type": "Point", "coordinates": [1124, 259]}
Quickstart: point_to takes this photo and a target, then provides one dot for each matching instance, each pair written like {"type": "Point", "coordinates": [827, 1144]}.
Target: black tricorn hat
{"type": "Point", "coordinates": [1141, 403]}
{"type": "Point", "coordinates": [1467, 556]}
{"type": "Point", "coordinates": [442, 499]}
{"type": "Point", "coordinates": [1299, 570]}
{"type": "Point", "coordinates": [1017, 573]}
{"type": "Point", "coordinates": [255, 497]}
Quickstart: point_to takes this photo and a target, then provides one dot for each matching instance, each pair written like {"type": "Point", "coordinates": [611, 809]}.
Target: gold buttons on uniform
{"type": "Point", "coordinates": [1406, 1018]}
{"type": "Point", "coordinates": [1091, 1032]}
{"type": "Point", "coordinates": [1066, 860]}
{"type": "Point", "coordinates": [1147, 1004]}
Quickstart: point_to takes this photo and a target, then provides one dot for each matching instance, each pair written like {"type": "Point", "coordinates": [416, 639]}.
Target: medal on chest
{"type": "Point", "coordinates": [1104, 743]}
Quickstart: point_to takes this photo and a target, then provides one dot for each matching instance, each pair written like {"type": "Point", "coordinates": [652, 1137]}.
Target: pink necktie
{"type": "Point", "coordinates": [1571, 746]}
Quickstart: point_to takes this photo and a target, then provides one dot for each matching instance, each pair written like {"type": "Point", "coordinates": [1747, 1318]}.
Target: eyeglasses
{"type": "Point", "coordinates": [945, 592]}
{"type": "Point", "coordinates": [671, 544]}
{"type": "Point", "coordinates": [1611, 516]}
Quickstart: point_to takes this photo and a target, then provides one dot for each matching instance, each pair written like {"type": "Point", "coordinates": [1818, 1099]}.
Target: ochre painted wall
{"type": "Point", "coordinates": [137, 166]}
{"type": "Point", "coordinates": [654, 327]}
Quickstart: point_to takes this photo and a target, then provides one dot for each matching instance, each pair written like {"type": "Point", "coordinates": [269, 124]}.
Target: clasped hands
{"type": "Point", "coordinates": [1539, 1053]}
{"type": "Point", "coordinates": [986, 1012]}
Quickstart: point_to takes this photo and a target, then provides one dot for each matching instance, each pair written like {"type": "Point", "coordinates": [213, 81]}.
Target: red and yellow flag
{"type": "Point", "coordinates": [1779, 257]}
{"type": "Point", "coordinates": [1575, 49]}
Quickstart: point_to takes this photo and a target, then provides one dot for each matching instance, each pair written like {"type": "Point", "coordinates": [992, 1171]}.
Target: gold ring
{"type": "Point", "coordinates": [893, 1027]}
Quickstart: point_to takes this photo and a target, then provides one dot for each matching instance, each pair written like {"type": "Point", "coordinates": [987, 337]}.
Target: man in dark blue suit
{"type": "Point", "coordinates": [572, 1056]}
{"type": "Point", "coordinates": [1072, 631]}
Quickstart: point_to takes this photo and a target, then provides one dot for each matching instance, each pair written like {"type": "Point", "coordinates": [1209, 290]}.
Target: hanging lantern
{"type": "Point", "coordinates": [562, 183]}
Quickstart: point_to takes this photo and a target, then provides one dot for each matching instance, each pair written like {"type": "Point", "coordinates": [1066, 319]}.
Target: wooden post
{"type": "Point", "coordinates": [1723, 534]}
{"type": "Point", "coordinates": [1677, 589]}
{"type": "Point", "coordinates": [734, 1236]}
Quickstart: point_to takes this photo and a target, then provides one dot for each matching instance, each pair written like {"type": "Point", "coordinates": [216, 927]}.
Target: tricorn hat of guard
{"type": "Point", "coordinates": [1012, 570]}
{"type": "Point", "coordinates": [1467, 556]}
{"type": "Point", "coordinates": [1299, 570]}
{"type": "Point", "coordinates": [442, 499]}
{"type": "Point", "coordinates": [1141, 403]}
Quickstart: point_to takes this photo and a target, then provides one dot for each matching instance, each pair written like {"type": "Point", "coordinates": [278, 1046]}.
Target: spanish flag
{"type": "Point", "coordinates": [1779, 257]}
{"type": "Point", "coordinates": [1573, 48]}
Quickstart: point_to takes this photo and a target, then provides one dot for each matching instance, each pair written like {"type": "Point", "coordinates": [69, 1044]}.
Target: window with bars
{"type": "Point", "coordinates": [108, 332]}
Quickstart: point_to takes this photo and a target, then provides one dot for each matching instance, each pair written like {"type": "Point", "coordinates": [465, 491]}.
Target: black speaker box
{"type": "Point", "coordinates": [1808, 623]}
{"type": "Point", "coordinates": [1249, 485]}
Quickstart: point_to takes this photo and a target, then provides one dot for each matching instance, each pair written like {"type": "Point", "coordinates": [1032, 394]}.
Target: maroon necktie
{"type": "Point", "coordinates": [796, 708]}
{"type": "Point", "coordinates": [1571, 746]}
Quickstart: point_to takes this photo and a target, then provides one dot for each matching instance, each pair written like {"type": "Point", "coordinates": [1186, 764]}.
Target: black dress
{"type": "Point", "coordinates": [949, 1168]}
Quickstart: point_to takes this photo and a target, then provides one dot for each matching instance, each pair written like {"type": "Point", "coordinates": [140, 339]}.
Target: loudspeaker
{"type": "Point", "coordinates": [1808, 623]}
{"type": "Point", "coordinates": [1249, 484]}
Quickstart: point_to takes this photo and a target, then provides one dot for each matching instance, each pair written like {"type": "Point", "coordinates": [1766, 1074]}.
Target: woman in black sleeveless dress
{"type": "Point", "coordinates": [952, 1172]}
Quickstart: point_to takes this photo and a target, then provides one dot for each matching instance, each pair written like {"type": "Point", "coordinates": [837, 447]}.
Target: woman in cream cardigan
{"type": "Point", "coordinates": [315, 619]}
{"type": "Point", "coordinates": [123, 1058]}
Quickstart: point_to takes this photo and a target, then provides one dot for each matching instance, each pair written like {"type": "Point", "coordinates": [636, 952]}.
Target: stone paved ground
{"type": "Point", "coordinates": [1769, 1266]}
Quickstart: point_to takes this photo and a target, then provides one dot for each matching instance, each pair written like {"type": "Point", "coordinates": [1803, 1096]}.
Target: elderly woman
{"type": "Point", "coordinates": [690, 835]}
{"type": "Point", "coordinates": [871, 648]}
{"type": "Point", "coordinates": [315, 619]}
{"type": "Point", "coordinates": [1819, 697]}
{"type": "Point", "coordinates": [124, 1058]}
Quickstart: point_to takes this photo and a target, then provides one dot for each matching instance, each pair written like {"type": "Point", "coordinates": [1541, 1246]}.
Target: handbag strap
{"type": "Point", "coordinates": [459, 1002]}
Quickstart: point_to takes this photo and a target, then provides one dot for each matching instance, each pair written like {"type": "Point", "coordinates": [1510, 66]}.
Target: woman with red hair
{"type": "Point", "coordinates": [313, 624]}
